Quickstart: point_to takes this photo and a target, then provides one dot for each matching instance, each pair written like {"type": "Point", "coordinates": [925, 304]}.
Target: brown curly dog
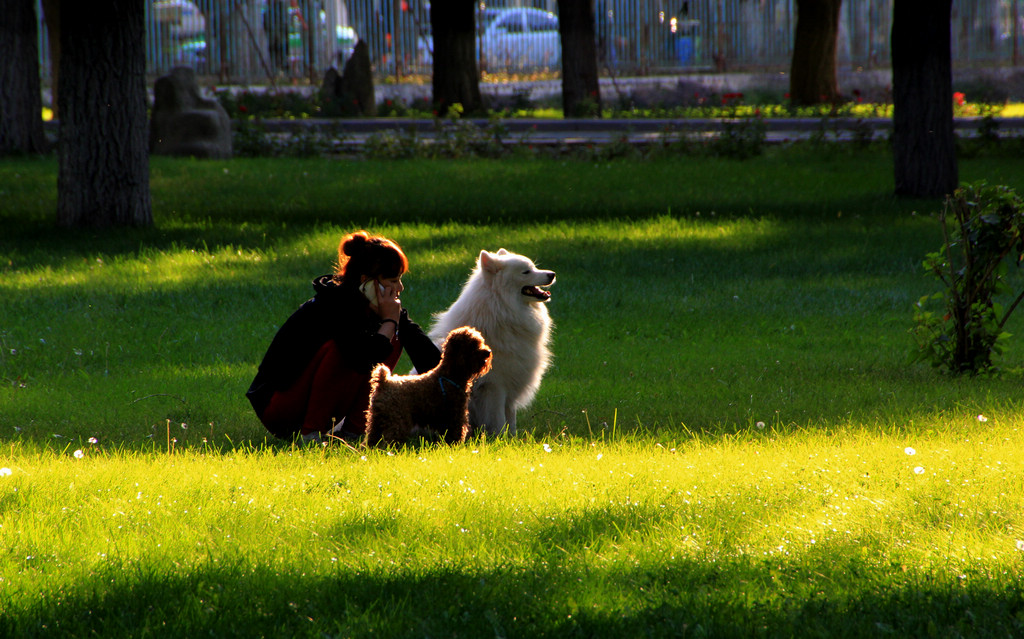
{"type": "Point", "coordinates": [437, 400]}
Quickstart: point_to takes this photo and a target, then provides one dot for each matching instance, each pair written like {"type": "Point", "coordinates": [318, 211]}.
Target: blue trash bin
{"type": "Point", "coordinates": [684, 50]}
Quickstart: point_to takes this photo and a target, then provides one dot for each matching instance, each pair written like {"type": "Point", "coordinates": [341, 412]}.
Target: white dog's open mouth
{"type": "Point", "coordinates": [537, 293]}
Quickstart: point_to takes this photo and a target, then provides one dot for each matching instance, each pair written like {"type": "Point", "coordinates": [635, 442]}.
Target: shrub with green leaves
{"type": "Point", "coordinates": [741, 139]}
{"type": "Point", "coordinates": [983, 231]}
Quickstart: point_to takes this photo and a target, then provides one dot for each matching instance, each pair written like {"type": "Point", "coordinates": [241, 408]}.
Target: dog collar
{"type": "Point", "coordinates": [441, 380]}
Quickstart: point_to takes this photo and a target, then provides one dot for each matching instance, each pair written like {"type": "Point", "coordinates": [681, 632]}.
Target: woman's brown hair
{"type": "Point", "coordinates": [373, 256]}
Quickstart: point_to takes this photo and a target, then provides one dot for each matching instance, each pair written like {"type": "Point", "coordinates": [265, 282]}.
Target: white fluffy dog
{"type": "Point", "coordinates": [505, 300]}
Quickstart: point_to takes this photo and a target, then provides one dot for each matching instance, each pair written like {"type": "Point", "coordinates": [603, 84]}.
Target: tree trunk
{"type": "Point", "coordinates": [103, 175]}
{"type": "Point", "coordinates": [21, 104]}
{"type": "Point", "coordinates": [923, 142]}
{"type": "Point", "coordinates": [812, 78]}
{"type": "Point", "coordinates": [456, 78]}
{"type": "Point", "coordinates": [581, 92]}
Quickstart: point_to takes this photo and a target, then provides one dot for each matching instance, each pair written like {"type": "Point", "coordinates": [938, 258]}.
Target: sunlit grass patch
{"type": "Point", "coordinates": [590, 530]}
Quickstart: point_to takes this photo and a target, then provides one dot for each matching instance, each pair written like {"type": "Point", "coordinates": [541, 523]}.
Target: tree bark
{"type": "Point", "coordinates": [456, 79]}
{"type": "Point", "coordinates": [103, 174]}
{"type": "Point", "coordinates": [21, 104]}
{"type": "Point", "coordinates": [812, 78]}
{"type": "Point", "coordinates": [581, 92]}
{"type": "Point", "coordinates": [923, 142]}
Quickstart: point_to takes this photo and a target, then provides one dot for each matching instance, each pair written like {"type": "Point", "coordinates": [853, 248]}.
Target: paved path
{"type": "Point", "coordinates": [638, 131]}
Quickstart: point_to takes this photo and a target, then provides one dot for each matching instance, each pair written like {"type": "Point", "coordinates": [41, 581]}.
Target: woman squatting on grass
{"type": "Point", "coordinates": [315, 377]}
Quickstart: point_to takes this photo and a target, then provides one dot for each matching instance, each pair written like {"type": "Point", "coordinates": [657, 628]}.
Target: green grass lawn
{"type": "Point", "coordinates": [731, 441]}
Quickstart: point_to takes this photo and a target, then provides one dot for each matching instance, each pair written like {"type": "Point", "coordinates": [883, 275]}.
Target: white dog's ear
{"type": "Point", "coordinates": [502, 251]}
{"type": "Point", "coordinates": [489, 262]}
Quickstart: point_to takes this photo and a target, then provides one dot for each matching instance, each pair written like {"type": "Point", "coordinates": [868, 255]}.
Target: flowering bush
{"type": "Point", "coordinates": [985, 234]}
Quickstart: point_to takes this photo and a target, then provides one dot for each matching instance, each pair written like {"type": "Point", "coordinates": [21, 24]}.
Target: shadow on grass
{"type": "Point", "coordinates": [735, 598]}
{"type": "Point", "coordinates": [253, 205]}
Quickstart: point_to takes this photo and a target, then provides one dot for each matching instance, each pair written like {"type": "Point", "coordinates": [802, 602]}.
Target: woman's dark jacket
{"type": "Point", "coordinates": [344, 316]}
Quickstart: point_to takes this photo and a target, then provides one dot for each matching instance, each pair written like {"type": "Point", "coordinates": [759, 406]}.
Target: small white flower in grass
{"type": "Point", "coordinates": [547, 448]}
{"type": "Point", "coordinates": [982, 418]}
{"type": "Point", "coordinates": [79, 454]}
{"type": "Point", "coordinates": [760, 425]}
{"type": "Point", "coordinates": [93, 440]}
{"type": "Point", "coordinates": [910, 451]}
{"type": "Point", "coordinates": [600, 455]}
{"type": "Point", "coordinates": [6, 472]}
{"type": "Point", "coordinates": [1020, 542]}
{"type": "Point", "coordinates": [919, 470]}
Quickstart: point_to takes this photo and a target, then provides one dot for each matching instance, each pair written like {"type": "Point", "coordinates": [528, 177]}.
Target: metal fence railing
{"type": "Point", "coordinates": [276, 41]}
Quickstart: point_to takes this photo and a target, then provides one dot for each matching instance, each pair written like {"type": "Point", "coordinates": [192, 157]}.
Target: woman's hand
{"type": "Point", "coordinates": [388, 304]}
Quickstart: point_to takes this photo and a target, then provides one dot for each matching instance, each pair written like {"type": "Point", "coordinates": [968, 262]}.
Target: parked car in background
{"type": "Point", "coordinates": [179, 29]}
{"type": "Point", "coordinates": [518, 39]}
{"type": "Point", "coordinates": [182, 19]}
{"type": "Point", "coordinates": [511, 40]}
{"type": "Point", "coordinates": [191, 53]}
